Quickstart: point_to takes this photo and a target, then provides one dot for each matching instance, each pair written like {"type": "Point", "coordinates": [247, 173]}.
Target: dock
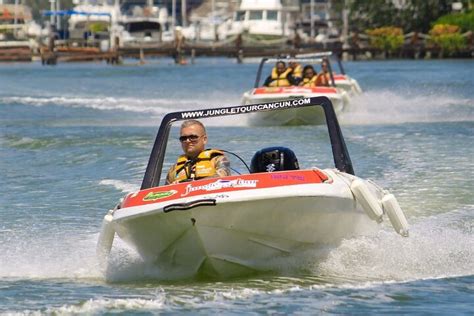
{"type": "Point", "coordinates": [59, 52]}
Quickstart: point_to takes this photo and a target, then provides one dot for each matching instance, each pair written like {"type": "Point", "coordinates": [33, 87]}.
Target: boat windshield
{"type": "Point", "coordinates": [256, 15]}
{"type": "Point", "coordinates": [158, 165]}
{"type": "Point", "coordinates": [272, 15]}
{"type": "Point", "coordinates": [240, 16]}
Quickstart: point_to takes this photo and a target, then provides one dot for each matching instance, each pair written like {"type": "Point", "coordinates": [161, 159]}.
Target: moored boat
{"type": "Point", "coordinates": [261, 20]}
{"type": "Point", "coordinates": [18, 32]}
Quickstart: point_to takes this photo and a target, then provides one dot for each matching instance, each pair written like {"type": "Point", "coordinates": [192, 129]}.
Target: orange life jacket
{"type": "Point", "coordinates": [322, 79]}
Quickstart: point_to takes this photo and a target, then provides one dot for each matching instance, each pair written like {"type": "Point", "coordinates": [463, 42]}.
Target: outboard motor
{"type": "Point", "coordinates": [274, 159]}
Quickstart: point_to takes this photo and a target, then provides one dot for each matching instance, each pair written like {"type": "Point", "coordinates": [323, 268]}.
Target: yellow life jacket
{"type": "Point", "coordinates": [199, 168]}
{"type": "Point", "coordinates": [280, 80]}
{"type": "Point", "coordinates": [298, 71]}
{"type": "Point", "coordinates": [309, 82]}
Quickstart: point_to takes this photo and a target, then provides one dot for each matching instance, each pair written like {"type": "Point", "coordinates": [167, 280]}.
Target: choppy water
{"type": "Point", "coordinates": [74, 138]}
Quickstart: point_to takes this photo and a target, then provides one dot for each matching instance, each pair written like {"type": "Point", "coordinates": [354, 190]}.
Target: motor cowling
{"type": "Point", "coordinates": [272, 159]}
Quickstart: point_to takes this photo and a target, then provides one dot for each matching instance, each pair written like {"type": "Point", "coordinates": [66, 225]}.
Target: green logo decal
{"type": "Point", "coordinates": [152, 196]}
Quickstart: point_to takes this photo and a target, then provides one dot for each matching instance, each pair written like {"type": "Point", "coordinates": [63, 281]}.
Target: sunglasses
{"type": "Point", "coordinates": [191, 138]}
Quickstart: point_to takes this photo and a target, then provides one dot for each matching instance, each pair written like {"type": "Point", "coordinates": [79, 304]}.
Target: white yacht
{"type": "Point", "coordinates": [211, 20]}
{"type": "Point", "coordinates": [143, 20]}
{"type": "Point", "coordinates": [93, 18]}
{"type": "Point", "coordinates": [261, 19]}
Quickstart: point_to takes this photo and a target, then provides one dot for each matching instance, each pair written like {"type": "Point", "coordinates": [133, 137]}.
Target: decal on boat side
{"type": "Point", "coordinates": [216, 196]}
{"type": "Point", "coordinates": [153, 196]}
{"type": "Point", "coordinates": [221, 184]}
{"type": "Point", "coordinates": [287, 177]}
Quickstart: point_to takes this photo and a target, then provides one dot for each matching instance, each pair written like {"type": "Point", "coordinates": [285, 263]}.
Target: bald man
{"type": "Point", "coordinates": [197, 162]}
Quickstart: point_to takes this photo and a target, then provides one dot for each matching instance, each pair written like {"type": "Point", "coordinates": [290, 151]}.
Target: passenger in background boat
{"type": "Point", "coordinates": [297, 72]}
{"type": "Point", "coordinates": [323, 77]}
{"type": "Point", "coordinates": [197, 162]}
{"type": "Point", "coordinates": [309, 77]}
{"type": "Point", "coordinates": [281, 76]}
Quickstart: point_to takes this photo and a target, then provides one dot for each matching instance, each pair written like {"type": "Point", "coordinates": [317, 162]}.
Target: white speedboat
{"type": "Point", "coordinates": [300, 116]}
{"type": "Point", "coordinates": [234, 225]}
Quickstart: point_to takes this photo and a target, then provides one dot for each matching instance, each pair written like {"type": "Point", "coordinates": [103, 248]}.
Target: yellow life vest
{"type": "Point", "coordinates": [199, 168]}
{"type": "Point", "coordinates": [280, 80]}
{"type": "Point", "coordinates": [309, 82]}
{"type": "Point", "coordinates": [298, 71]}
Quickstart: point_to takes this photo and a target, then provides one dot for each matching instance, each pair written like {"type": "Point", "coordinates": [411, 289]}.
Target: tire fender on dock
{"type": "Point", "coordinates": [106, 239]}
{"type": "Point", "coordinates": [395, 214]}
{"type": "Point", "coordinates": [367, 200]}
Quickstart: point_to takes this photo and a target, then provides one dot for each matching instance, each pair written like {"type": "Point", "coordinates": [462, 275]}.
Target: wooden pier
{"type": "Point", "coordinates": [16, 54]}
{"type": "Point", "coordinates": [57, 53]}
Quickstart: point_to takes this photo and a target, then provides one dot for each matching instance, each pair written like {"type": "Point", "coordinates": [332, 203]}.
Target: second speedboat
{"type": "Point", "coordinates": [299, 116]}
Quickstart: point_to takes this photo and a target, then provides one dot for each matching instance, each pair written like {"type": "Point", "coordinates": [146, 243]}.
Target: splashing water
{"type": "Point", "coordinates": [388, 107]}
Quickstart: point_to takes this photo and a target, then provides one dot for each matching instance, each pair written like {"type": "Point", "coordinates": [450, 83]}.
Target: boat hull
{"type": "Point", "coordinates": [297, 116]}
{"type": "Point", "coordinates": [348, 84]}
{"type": "Point", "coordinates": [245, 231]}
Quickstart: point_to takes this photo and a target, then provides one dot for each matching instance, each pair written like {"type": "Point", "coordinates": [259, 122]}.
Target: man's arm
{"type": "Point", "coordinates": [268, 81]}
{"type": "Point", "coordinates": [292, 80]}
{"type": "Point", "coordinates": [170, 177]}
{"type": "Point", "coordinates": [222, 165]}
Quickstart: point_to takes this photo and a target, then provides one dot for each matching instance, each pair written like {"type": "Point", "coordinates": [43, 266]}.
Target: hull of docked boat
{"type": "Point", "coordinates": [240, 225]}
{"type": "Point", "coordinates": [301, 116]}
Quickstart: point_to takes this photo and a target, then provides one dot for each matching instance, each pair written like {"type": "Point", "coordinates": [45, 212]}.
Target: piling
{"type": "Point", "coordinates": [142, 56]}
{"type": "Point", "coordinates": [240, 56]}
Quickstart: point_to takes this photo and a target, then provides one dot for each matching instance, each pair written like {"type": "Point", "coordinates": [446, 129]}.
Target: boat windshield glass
{"type": "Point", "coordinates": [272, 15]}
{"type": "Point", "coordinates": [256, 15]}
{"type": "Point", "coordinates": [315, 151]}
{"type": "Point", "coordinates": [240, 16]}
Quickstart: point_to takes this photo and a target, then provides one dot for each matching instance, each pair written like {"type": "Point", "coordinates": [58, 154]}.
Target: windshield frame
{"type": "Point", "coordinates": [340, 153]}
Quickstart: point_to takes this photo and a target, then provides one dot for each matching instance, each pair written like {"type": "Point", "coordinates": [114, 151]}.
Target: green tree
{"type": "Point", "coordinates": [448, 38]}
{"type": "Point", "coordinates": [386, 38]}
{"type": "Point", "coordinates": [412, 15]}
{"type": "Point", "coordinates": [371, 14]}
{"type": "Point", "coordinates": [464, 20]}
{"type": "Point", "coordinates": [39, 5]}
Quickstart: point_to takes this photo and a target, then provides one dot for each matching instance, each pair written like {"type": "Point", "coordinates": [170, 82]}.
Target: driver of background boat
{"type": "Point", "coordinates": [197, 162]}
{"type": "Point", "coordinates": [282, 76]}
